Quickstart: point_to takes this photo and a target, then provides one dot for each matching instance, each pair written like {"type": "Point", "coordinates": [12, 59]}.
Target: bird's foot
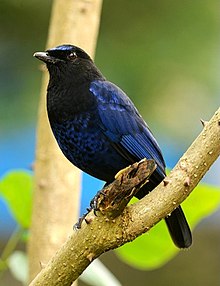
{"type": "Point", "coordinates": [114, 197]}
{"type": "Point", "coordinates": [94, 204]}
{"type": "Point", "coordinates": [78, 225]}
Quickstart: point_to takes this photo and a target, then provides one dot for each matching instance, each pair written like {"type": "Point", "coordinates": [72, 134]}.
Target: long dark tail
{"type": "Point", "coordinates": [177, 224]}
{"type": "Point", "coordinates": [179, 229]}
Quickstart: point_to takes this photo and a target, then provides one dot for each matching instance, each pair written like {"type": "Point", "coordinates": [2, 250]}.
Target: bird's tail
{"type": "Point", "coordinates": [179, 229]}
{"type": "Point", "coordinates": [176, 222]}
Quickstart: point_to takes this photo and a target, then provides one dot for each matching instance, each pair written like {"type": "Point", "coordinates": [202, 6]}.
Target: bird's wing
{"type": "Point", "coordinates": [123, 126]}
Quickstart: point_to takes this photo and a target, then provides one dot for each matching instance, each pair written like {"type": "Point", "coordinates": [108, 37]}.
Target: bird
{"type": "Point", "coordinates": [99, 129]}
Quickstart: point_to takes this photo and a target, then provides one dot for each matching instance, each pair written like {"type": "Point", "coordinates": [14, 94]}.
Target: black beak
{"type": "Point", "coordinates": [45, 57]}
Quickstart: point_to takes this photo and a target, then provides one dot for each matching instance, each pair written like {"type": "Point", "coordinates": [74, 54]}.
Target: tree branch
{"type": "Point", "coordinates": [103, 234]}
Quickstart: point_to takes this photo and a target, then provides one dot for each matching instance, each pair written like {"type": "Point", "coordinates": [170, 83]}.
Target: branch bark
{"type": "Point", "coordinates": [57, 182]}
{"type": "Point", "coordinates": [103, 234]}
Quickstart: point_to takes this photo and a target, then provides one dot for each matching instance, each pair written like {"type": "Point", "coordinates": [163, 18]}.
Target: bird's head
{"type": "Point", "coordinates": [62, 54]}
{"type": "Point", "coordinates": [68, 61]}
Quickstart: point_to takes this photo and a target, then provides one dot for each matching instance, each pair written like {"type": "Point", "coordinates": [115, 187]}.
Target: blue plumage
{"type": "Point", "coordinates": [122, 123]}
{"type": "Point", "coordinates": [108, 137]}
{"type": "Point", "coordinates": [86, 146]}
{"type": "Point", "coordinates": [98, 128]}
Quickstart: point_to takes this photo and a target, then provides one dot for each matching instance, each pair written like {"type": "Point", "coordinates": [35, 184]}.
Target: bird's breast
{"type": "Point", "coordinates": [83, 143]}
{"type": "Point", "coordinates": [64, 101]}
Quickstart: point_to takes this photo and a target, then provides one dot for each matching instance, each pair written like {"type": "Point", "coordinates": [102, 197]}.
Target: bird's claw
{"type": "Point", "coordinates": [78, 225]}
{"type": "Point", "coordinates": [94, 205]}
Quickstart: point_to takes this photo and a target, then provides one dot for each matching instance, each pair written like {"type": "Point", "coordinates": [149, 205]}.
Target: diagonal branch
{"type": "Point", "coordinates": [103, 234]}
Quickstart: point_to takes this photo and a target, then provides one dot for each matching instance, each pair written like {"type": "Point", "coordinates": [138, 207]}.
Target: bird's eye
{"type": "Point", "coordinates": [72, 56]}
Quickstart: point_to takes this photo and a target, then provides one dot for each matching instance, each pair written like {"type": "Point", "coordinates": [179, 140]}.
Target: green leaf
{"type": "Point", "coordinates": [16, 189]}
{"type": "Point", "coordinates": [203, 201]}
{"type": "Point", "coordinates": [153, 249]}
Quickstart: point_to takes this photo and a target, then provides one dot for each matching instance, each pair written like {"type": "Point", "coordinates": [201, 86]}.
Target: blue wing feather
{"type": "Point", "coordinates": [123, 125]}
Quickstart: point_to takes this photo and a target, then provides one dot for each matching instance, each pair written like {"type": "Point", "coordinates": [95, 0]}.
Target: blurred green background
{"type": "Point", "coordinates": [165, 55]}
